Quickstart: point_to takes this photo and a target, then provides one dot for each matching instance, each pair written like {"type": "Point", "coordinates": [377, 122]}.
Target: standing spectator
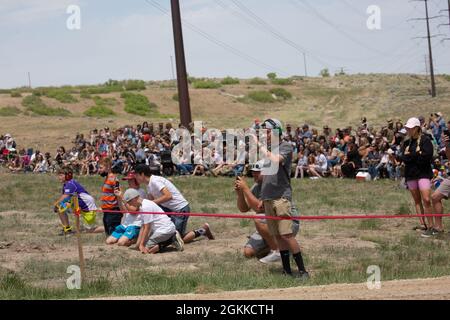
{"type": "Point", "coordinates": [276, 193]}
{"type": "Point", "coordinates": [112, 217]}
{"type": "Point", "coordinates": [417, 154]}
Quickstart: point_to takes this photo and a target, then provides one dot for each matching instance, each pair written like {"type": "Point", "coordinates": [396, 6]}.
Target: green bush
{"type": "Point", "coordinates": [261, 96]}
{"type": "Point", "coordinates": [99, 101]}
{"type": "Point", "coordinates": [272, 76]}
{"type": "Point", "coordinates": [85, 95]}
{"type": "Point", "coordinates": [281, 93]}
{"type": "Point", "coordinates": [16, 94]}
{"type": "Point", "coordinates": [175, 97]}
{"type": "Point", "coordinates": [9, 111]}
{"type": "Point", "coordinates": [61, 95]}
{"type": "Point", "coordinates": [35, 104]}
{"type": "Point", "coordinates": [230, 81]}
{"type": "Point", "coordinates": [131, 85]}
{"type": "Point", "coordinates": [103, 89]}
{"type": "Point", "coordinates": [258, 81]}
{"type": "Point", "coordinates": [206, 84]}
{"type": "Point", "coordinates": [325, 73]}
{"type": "Point", "coordinates": [447, 77]}
{"type": "Point", "coordinates": [5, 91]}
{"type": "Point", "coordinates": [283, 82]}
{"type": "Point", "coordinates": [138, 104]}
{"type": "Point", "coordinates": [99, 111]}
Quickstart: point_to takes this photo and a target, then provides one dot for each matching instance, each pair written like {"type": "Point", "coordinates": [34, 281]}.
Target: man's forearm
{"type": "Point", "coordinates": [241, 203]}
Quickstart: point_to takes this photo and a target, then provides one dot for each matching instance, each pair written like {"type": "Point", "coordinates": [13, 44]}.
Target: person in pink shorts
{"type": "Point", "coordinates": [417, 154]}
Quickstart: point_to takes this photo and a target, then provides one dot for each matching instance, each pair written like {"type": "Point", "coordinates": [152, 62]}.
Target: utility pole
{"type": "Point", "coordinates": [29, 80]}
{"type": "Point", "coordinates": [430, 52]}
{"type": "Point", "coordinates": [304, 61]}
{"type": "Point", "coordinates": [171, 63]}
{"type": "Point", "coordinates": [183, 90]}
{"type": "Point", "coordinates": [426, 65]}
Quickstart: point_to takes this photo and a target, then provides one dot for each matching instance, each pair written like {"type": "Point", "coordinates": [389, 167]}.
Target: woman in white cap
{"type": "Point", "coordinates": [417, 154]}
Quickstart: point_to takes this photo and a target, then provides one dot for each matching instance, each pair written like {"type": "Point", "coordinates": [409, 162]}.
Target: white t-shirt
{"type": "Point", "coordinates": [322, 162]}
{"type": "Point", "coordinates": [134, 219]}
{"type": "Point", "coordinates": [160, 223]}
{"type": "Point", "coordinates": [154, 188]}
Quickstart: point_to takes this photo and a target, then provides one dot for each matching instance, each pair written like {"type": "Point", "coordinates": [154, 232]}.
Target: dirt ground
{"type": "Point", "coordinates": [417, 289]}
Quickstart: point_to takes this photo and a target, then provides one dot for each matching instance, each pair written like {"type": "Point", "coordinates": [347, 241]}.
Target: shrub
{"type": "Point", "coordinates": [325, 73]}
{"type": "Point", "coordinates": [99, 101]}
{"type": "Point", "coordinates": [261, 96]}
{"type": "Point", "coordinates": [447, 77]}
{"type": "Point", "coordinates": [175, 97]}
{"type": "Point", "coordinates": [85, 95]}
{"type": "Point", "coordinates": [104, 89]}
{"type": "Point", "coordinates": [61, 95]}
{"type": "Point", "coordinates": [35, 104]}
{"type": "Point", "coordinates": [257, 81]}
{"type": "Point", "coordinates": [16, 94]}
{"type": "Point", "coordinates": [5, 91]}
{"type": "Point", "coordinates": [230, 81]}
{"type": "Point", "coordinates": [272, 76]}
{"type": "Point", "coordinates": [137, 104]}
{"type": "Point", "coordinates": [9, 111]}
{"type": "Point", "coordinates": [283, 82]}
{"type": "Point", "coordinates": [99, 111]}
{"type": "Point", "coordinates": [131, 85]}
{"type": "Point", "coordinates": [281, 93]}
{"type": "Point", "coordinates": [206, 84]}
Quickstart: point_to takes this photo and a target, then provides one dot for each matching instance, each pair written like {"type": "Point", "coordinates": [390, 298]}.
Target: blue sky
{"type": "Point", "coordinates": [132, 39]}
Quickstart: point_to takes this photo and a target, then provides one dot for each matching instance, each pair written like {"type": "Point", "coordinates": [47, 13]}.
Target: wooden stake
{"type": "Point", "coordinates": [77, 212]}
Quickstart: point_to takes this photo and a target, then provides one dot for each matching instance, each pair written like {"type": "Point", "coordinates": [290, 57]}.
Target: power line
{"type": "Point", "coordinates": [273, 31]}
{"type": "Point", "coordinates": [218, 42]}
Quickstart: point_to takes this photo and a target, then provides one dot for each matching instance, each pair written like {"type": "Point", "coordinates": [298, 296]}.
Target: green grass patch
{"type": "Point", "coordinates": [61, 96]}
{"type": "Point", "coordinates": [282, 81]}
{"type": "Point", "coordinates": [134, 85]}
{"type": "Point", "coordinates": [16, 94]}
{"type": "Point", "coordinates": [206, 84]}
{"type": "Point", "coordinates": [261, 96]}
{"type": "Point", "coordinates": [35, 104]}
{"type": "Point", "coordinates": [257, 82]}
{"type": "Point", "coordinates": [281, 93]}
{"type": "Point", "coordinates": [99, 112]}
{"type": "Point", "coordinates": [229, 81]}
{"type": "Point", "coordinates": [9, 111]}
{"type": "Point", "coordinates": [138, 104]}
{"type": "Point", "coordinates": [99, 101]}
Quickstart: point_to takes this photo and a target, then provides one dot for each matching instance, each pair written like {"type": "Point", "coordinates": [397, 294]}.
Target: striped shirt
{"type": "Point", "coordinates": [108, 198]}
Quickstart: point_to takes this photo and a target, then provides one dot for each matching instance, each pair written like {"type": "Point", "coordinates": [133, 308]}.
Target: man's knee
{"type": "Point", "coordinates": [437, 197]}
{"type": "Point", "coordinates": [248, 252]}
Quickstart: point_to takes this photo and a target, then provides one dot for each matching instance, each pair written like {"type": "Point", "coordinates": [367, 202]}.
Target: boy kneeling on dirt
{"type": "Point", "coordinates": [85, 201]}
{"type": "Point", "coordinates": [157, 230]}
{"type": "Point", "coordinates": [127, 233]}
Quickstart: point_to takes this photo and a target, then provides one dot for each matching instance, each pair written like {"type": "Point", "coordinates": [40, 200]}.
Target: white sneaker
{"type": "Point", "coordinates": [178, 242]}
{"type": "Point", "coordinates": [274, 256]}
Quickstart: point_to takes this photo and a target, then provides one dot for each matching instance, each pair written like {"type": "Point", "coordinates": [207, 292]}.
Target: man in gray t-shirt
{"type": "Point", "coordinates": [276, 193]}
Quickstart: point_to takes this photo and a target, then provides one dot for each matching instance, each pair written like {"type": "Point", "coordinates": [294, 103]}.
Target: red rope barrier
{"type": "Point", "coordinates": [240, 216]}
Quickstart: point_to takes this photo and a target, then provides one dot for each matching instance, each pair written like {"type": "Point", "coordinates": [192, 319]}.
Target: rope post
{"type": "Point", "coordinates": [77, 212]}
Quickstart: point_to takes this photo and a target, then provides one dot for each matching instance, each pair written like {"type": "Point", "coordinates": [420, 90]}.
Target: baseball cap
{"type": "Point", "coordinates": [130, 176]}
{"type": "Point", "coordinates": [130, 194]}
{"type": "Point", "coordinates": [273, 124]}
{"type": "Point", "coordinates": [412, 123]}
{"type": "Point", "coordinates": [258, 166]}
{"type": "Point", "coordinates": [439, 114]}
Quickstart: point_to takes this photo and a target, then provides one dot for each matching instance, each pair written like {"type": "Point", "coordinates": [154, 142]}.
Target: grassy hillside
{"type": "Point", "coordinates": [336, 101]}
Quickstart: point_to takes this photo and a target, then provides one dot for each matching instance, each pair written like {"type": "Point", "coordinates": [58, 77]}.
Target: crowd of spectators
{"type": "Point", "coordinates": [318, 153]}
